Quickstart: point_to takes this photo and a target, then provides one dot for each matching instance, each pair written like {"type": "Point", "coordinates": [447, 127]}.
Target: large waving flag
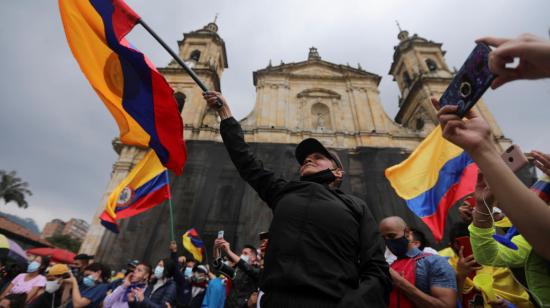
{"type": "Point", "coordinates": [136, 94]}
{"type": "Point", "coordinates": [145, 187]}
{"type": "Point", "coordinates": [434, 178]}
{"type": "Point", "coordinates": [193, 243]}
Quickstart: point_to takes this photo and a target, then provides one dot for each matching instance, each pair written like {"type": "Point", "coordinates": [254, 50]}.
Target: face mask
{"type": "Point", "coordinates": [245, 258]}
{"type": "Point", "coordinates": [159, 271]}
{"type": "Point", "coordinates": [52, 286]}
{"type": "Point", "coordinates": [398, 246]}
{"type": "Point", "coordinates": [33, 267]}
{"type": "Point", "coordinates": [321, 177]}
{"type": "Point", "coordinates": [188, 272]}
{"type": "Point", "coordinates": [89, 281]}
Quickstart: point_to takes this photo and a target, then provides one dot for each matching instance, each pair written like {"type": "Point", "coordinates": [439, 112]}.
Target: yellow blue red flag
{"type": "Point", "coordinates": [434, 178]}
{"type": "Point", "coordinates": [145, 187]}
{"type": "Point", "coordinates": [193, 243]}
{"type": "Point", "coordinates": [136, 94]}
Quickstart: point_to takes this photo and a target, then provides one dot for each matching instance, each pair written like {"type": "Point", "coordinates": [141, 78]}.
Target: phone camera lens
{"type": "Point", "coordinates": [511, 159]}
{"type": "Point", "coordinates": [465, 89]}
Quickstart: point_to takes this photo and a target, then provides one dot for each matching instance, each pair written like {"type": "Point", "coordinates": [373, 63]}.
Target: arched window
{"type": "Point", "coordinates": [320, 117]}
{"type": "Point", "coordinates": [432, 66]}
{"type": "Point", "coordinates": [406, 79]}
{"type": "Point", "coordinates": [195, 55]}
{"type": "Point", "coordinates": [180, 100]}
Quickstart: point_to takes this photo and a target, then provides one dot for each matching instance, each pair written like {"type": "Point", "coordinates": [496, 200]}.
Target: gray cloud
{"type": "Point", "coordinates": [56, 133]}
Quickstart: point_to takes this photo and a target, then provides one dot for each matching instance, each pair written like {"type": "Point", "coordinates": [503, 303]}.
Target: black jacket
{"type": "Point", "coordinates": [246, 281]}
{"type": "Point", "coordinates": [323, 243]}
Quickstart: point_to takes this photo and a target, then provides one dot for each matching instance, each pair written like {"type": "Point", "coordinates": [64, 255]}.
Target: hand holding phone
{"type": "Point", "coordinates": [470, 82]}
{"type": "Point", "coordinates": [220, 234]}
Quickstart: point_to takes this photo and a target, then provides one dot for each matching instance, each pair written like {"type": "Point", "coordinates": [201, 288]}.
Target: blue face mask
{"type": "Point", "coordinates": [188, 272]}
{"type": "Point", "coordinates": [159, 271]}
{"type": "Point", "coordinates": [33, 267]}
{"type": "Point", "coordinates": [398, 246]}
{"type": "Point", "coordinates": [88, 281]}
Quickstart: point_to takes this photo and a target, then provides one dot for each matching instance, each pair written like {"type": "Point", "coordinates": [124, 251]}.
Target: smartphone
{"type": "Point", "coordinates": [514, 157]}
{"type": "Point", "coordinates": [220, 234]}
{"type": "Point", "coordinates": [263, 236]}
{"type": "Point", "coordinates": [464, 241]}
{"type": "Point", "coordinates": [470, 82]}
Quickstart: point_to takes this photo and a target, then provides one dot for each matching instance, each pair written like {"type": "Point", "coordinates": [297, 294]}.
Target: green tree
{"type": "Point", "coordinates": [65, 242]}
{"type": "Point", "coordinates": [12, 188]}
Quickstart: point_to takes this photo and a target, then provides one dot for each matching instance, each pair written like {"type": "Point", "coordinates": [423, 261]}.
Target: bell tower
{"type": "Point", "coordinates": [203, 51]}
{"type": "Point", "coordinates": [420, 70]}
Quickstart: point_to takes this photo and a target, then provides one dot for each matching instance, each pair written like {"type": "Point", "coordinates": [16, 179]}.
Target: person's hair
{"type": "Point", "coordinates": [148, 268]}
{"type": "Point", "coordinates": [96, 267]}
{"type": "Point", "coordinates": [251, 248]}
{"type": "Point", "coordinates": [421, 237]}
{"type": "Point", "coordinates": [17, 300]}
{"type": "Point", "coordinates": [169, 268]}
{"type": "Point", "coordinates": [457, 230]}
{"type": "Point", "coordinates": [44, 265]}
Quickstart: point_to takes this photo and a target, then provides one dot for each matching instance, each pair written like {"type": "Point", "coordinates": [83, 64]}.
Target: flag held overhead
{"type": "Point", "coordinates": [434, 178]}
{"type": "Point", "coordinates": [136, 94]}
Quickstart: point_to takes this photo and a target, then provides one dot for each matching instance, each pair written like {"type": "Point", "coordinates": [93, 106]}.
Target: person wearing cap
{"type": "Point", "coordinates": [324, 247]}
{"type": "Point", "coordinates": [54, 293]}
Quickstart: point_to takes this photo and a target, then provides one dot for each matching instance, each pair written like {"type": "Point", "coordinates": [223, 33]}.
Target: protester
{"type": "Point", "coordinates": [183, 281]}
{"type": "Point", "coordinates": [81, 261]}
{"type": "Point", "coordinates": [324, 248]}
{"type": "Point", "coordinates": [488, 251]}
{"type": "Point", "coordinates": [247, 274]}
{"type": "Point", "coordinates": [161, 289]}
{"type": "Point", "coordinates": [419, 279]}
{"type": "Point", "coordinates": [31, 281]}
{"type": "Point", "coordinates": [54, 293]}
{"type": "Point", "coordinates": [199, 283]}
{"type": "Point", "coordinates": [95, 284]}
{"type": "Point", "coordinates": [474, 136]}
{"type": "Point", "coordinates": [505, 285]}
{"type": "Point", "coordinates": [137, 279]}
{"type": "Point", "coordinates": [13, 301]}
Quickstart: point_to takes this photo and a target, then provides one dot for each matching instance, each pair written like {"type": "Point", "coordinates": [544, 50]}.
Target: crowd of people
{"type": "Point", "coordinates": [324, 247]}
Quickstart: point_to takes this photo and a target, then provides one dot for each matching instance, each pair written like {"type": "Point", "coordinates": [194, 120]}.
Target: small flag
{"type": "Point", "coordinates": [542, 188]}
{"type": "Point", "coordinates": [145, 187]}
{"type": "Point", "coordinates": [193, 244]}
{"type": "Point", "coordinates": [434, 178]}
{"type": "Point", "coordinates": [136, 94]}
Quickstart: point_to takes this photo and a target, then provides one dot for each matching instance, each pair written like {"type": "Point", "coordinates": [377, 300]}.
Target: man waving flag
{"type": "Point", "coordinates": [136, 94]}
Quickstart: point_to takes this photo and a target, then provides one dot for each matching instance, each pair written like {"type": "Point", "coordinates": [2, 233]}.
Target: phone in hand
{"type": "Point", "coordinates": [514, 157]}
{"type": "Point", "coordinates": [220, 234]}
{"type": "Point", "coordinates": [464, 241]}
{"type": "Point", "coordinates": [470, 82]}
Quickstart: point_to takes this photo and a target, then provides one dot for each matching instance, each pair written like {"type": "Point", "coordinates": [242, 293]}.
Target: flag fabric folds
{"type": "Point", "coordinates": [193, 244]}
{"type": "Point", "coordinates": [434, 178]}
{"type": "Point", "coordinates": [145, 187]}
{"type": "Point", "coordinates": [542, 188]}
{"type": "Point", "coordinates": [136, 94]}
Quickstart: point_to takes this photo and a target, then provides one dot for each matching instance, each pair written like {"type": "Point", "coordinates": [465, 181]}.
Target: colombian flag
{"type": "Point", "coordinates": [136, 94]}
{"type": "Point", "coordinates": [193, 243]}
{"type": "Point", "coordinates": [542, 188]}
{"type": "Point", "coordinates": [145, 187]}
{"type": "Point", "coordinates": [435, 176]}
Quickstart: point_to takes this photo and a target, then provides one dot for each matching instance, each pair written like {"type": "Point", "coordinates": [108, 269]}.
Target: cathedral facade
{"type": "Point", "coordinates": [337, 104]}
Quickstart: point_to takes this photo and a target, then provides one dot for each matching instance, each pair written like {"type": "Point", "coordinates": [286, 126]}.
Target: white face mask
{"type": "Point", "coordinates": [52, 286]}
{"type": "Point", "coordinates": [245, 258]}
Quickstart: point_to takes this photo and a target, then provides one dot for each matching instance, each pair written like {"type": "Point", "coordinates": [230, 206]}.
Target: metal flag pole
{"type": "Point", "coordinates": [194, 76]}
{"type": "Point", "coordinates": [173, 238]}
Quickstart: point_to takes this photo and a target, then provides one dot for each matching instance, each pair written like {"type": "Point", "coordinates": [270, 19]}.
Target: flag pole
{"type": "Point", "coordinates": [173, 238]}
{"type": "Point", "coordinates": [191, 73]}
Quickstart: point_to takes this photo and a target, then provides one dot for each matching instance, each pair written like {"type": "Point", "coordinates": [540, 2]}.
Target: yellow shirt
{"type": "Point", "coordinates": [504, 284]}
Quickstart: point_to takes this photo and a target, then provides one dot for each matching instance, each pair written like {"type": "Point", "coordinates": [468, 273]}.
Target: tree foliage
{"type": "Point", "coordinates": [12, 188]}
{"type": "Point", "coordinates": [65, 242]}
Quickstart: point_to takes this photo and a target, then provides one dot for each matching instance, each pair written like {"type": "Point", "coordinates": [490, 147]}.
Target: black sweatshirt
{"type": "Point", "coordinates": [324, 244]}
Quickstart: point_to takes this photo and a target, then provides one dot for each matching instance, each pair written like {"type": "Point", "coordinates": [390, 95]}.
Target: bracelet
{"type": "Point", "coordinates": [482, 213]}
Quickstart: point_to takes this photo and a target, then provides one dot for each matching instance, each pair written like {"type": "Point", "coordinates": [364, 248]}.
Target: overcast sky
{"type": "Point", "coordinates": [56, 133]}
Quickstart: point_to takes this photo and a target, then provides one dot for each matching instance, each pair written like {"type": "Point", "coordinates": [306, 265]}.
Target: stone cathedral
{"type": "Point", "coordinates": [335, 103]}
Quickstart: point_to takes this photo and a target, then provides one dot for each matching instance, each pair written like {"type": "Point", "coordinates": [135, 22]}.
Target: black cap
{"type": "Point", "coordinates": [83, 256]}
{"type": "Point", "coordinates": [312, 145]}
